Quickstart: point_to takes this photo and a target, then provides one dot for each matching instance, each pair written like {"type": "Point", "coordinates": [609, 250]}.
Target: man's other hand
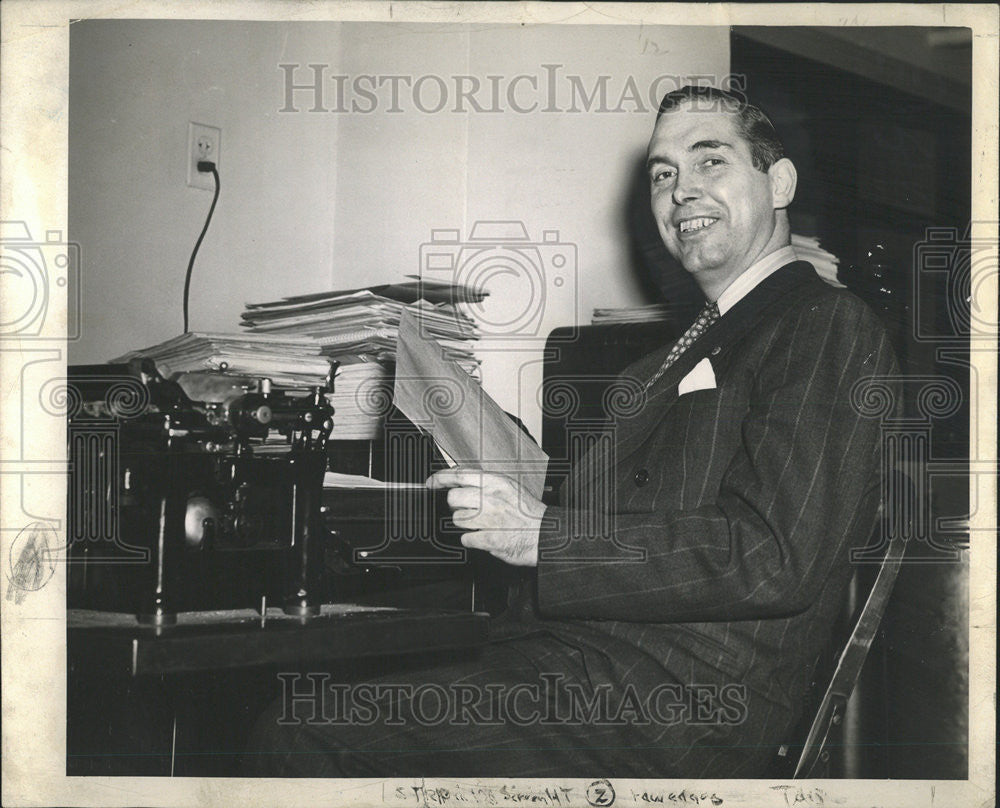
{"type": "Point", "coordinates": [504, 519]}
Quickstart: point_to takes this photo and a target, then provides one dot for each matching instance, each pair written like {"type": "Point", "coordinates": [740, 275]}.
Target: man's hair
{"type": "Point", "coordinates": [754, 126]}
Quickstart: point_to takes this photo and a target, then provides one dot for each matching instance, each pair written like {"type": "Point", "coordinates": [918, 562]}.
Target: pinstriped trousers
{"type": "Point", "coordinates": [508, 711]}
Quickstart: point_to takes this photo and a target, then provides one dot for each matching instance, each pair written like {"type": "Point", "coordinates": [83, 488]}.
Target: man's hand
{"type": "Point", "coordinates": [503, 517]}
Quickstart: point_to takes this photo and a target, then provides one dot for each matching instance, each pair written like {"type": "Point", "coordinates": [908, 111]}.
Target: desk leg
{"type": "Point", "coordinates": [305, 558]}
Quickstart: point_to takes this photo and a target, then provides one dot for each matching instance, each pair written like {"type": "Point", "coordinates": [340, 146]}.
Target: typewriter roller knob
{"type": "Point", "coordinates": [251, 412]}
{"type": "Point", "coordinates": [261, 414]}
{"type": "Point", "coordinates": [199, 521]}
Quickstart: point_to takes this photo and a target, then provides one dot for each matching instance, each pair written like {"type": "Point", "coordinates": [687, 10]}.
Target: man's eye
{"type": "Point", "coordinates": [712, 162]}
{"type": "Point", "coordinates": [665, 175]}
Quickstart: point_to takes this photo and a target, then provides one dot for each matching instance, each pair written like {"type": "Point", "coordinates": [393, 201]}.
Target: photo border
{"type": "Point", "coordinates": [33, 169]}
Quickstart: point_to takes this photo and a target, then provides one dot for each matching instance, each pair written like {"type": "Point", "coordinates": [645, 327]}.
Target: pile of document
{"type": "Point", "coordinates": [362, 394]}
{"type": "Point", "coordinates": [807, 249]}
{"type": "Point", "coordinates": [468, 427]}
{"type": "Point", "coordinates": [288, 361]}
{"type": "Point", "coordinates": [359, 329]}
{"type": "Point", "coordinates": [366, 321]}
{"type": "Point", "coordinates": [632, 314]}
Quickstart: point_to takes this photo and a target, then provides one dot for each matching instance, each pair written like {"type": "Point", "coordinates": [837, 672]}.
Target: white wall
{"type": "Point", "coordinates": [134, 86]}
{"type": "Point", "coordinates": [571, 172]}
{"type": "Point", "coordinates": [315, 200]}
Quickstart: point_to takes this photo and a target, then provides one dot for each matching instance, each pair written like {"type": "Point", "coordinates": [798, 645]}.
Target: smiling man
{"type": "Point", "coordinates": [681, 590]}
{"type": "Point", "coordinates": [720, 185]}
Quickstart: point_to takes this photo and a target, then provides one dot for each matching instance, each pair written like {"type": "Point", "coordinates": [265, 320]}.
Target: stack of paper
{"type": "Point", "coordinates": [359, 328]}
{"type": "Point", "coordinates": [633, 314]}
{"type": "Point", "coordinates": [807, 249]}
{"type": "Point", "coordinates": [288, 361]}
{"type": "Point", "coordinates": [366, 321]}
{"type": "Point", "coordinates": [362, 393]}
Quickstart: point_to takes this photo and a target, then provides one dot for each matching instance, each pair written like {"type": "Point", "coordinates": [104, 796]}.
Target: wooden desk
{"type": "Point", "coordinates": [181, 700]}
{"type": "Point", "coordinates": [227, 640]}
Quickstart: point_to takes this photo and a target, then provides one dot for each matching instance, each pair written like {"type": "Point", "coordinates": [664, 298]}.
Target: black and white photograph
{"type": "Point", "coordinates": [417, 404]}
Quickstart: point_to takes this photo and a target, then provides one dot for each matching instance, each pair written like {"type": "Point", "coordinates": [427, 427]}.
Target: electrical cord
{"type": "Point", "coordinates": [204, 166]}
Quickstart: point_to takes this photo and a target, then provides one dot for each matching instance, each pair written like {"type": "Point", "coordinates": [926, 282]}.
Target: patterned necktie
{"type": "Point", "coordinates": [706, 317]}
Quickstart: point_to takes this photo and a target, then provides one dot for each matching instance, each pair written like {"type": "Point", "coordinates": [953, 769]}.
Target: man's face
{"type": "Point", "coordinates": [714, 210]}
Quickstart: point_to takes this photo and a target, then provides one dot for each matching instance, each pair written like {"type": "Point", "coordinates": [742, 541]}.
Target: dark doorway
{"type": "Point", "coordinates": [878, 123]}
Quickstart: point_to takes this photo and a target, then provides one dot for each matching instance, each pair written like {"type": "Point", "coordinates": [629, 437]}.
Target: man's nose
{"type": "Point", "coordinates": [687, 188]}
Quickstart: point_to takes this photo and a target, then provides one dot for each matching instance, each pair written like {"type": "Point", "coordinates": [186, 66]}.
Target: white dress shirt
{"type": "Point", "coordinates": [753, 275]}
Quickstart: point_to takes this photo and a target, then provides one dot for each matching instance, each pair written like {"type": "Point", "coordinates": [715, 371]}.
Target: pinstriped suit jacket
{"type": "Point", "coordinates": [732, 510]}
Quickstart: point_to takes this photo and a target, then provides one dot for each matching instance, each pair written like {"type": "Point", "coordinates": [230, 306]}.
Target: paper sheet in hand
{"type": "Point", "coordinates": [441, 398]}
{"type": "Point", "coordinates": [335, 479]}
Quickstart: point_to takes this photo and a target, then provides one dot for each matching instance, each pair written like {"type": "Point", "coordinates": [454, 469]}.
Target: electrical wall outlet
{"type": "Point", "coordinates": [204, 143]}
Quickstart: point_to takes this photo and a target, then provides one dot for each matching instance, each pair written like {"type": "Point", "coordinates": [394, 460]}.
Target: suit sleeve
{"type": "Point", "coordinates": [765, 545]}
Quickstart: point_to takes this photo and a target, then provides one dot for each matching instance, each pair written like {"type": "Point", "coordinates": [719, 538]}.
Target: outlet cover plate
{"type": "Point", "coordinates": [204, 143]}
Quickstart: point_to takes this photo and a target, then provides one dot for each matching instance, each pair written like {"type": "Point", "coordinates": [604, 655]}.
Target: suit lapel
{"type": "Point", "coordinates": [632, 432]}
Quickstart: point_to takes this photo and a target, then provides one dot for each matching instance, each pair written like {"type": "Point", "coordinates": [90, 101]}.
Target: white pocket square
{"type": "Point", "coordinates": [701, 377]}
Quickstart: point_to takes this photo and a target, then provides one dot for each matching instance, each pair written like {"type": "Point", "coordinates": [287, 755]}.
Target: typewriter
{"type": "Point", "coordinates": [205, 492]}
{"type": "Point", "coordinates": [195, 492]}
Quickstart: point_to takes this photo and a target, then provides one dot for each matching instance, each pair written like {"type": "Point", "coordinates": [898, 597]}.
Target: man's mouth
{"type": "Point", "coordinates": [694, 225]}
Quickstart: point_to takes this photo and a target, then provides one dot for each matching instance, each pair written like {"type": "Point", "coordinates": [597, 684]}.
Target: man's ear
{"type": "Point", "coordinates": [783, 178]}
